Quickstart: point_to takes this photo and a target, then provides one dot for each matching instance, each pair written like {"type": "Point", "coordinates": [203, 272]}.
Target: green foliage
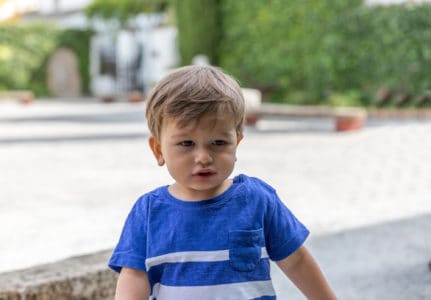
{"type": "Point", "coordinates": [22, 50]}
{"type": "Point", "coordinates": [198, 29]}
{"type": "Point", "coordinates": [306, 51]}
{"type": "Point", "coordinates": [277, 46]}
{"type": "Point", "coordinates": [23, 60]}
{"type": "Point", "coordinates": [383, 47]}
{"type": "Point", "coordinates": [124, 9]}
{"type": "Point", "coordinates": [348, 98]}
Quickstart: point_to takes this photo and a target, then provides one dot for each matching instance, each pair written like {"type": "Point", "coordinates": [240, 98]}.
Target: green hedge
{"type": "Point", "coordinates": [198, 29]}
{"type": "Point", "coordinates": [23, 49]}
{"type": "Point", "coordinates": [382, 47]}
{"type": "Point", "coordinates": [277, 46]}
{"type": "Point", "coordinates": [306, 51]}
{"type": "Point", "coordinates": [124, 9]}
{"type": "Point", "coordinates": [23, 60]}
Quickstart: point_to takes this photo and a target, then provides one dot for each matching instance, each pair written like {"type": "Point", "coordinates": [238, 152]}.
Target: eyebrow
{"type": "Point", "coordinates": [187, 134]}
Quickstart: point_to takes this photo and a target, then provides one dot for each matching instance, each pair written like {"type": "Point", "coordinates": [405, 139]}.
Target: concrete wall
{"type": "Point", "coordinates": [78, 278]}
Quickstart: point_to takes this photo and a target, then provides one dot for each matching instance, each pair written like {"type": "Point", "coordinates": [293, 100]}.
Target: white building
{"type": "Point", "coordinates": [133, 59]}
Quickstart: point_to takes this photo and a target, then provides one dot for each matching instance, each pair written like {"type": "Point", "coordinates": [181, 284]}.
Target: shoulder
{"type": "Point", "coordinates": [254, 184]}
{"type": "Point", "coordinates": [258, 192]}
{"type": "Point", "coordinates": [149, 198]}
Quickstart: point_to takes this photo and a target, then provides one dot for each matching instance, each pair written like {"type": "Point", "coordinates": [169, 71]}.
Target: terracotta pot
{"type": "Point", "coordinates": [349, 119]}
{"type": "Point", "coordinates": [107, 99]}
{"type": "Point", "coordinates": [135, 97]}
{"type": "Point", "coordinates": [27, 99]}
{"type": "Point", "coordinates": [348, 123]}
{"type": "Point", "coordinates": [251, 119]}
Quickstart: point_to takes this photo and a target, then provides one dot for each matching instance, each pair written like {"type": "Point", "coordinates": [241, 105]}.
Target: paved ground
{"type": "Point", "coordinates": [70, 172]}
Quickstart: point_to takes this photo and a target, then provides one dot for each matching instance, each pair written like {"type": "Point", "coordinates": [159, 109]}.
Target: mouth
{"type": "Point", "coordinates": [204, 173]}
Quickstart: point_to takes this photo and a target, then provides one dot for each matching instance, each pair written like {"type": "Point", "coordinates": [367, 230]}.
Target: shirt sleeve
{"type": "Point", "coordinates": [131, 249]}
{"type": "Point", "coordinates": [284, 232]}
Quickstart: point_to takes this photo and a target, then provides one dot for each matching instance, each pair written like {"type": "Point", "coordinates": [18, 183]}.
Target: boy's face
{"type": "Point", "coordinates": [200, 157]}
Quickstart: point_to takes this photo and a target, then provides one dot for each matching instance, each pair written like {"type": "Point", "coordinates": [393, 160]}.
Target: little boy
{"type": "Point", "coordinates": [207, 236]}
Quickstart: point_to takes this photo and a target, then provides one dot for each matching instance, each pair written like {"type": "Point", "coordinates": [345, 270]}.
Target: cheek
{"type": "Point", "coordinates": [229, 156]}
{"type": "Point", "coordinates": [233, 150]}
{"type": "Point", "coordinates": [178, 153]}
{"type": "Point", "coordinates": [177, 157]}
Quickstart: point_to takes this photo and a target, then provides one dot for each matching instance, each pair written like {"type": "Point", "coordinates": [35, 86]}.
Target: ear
{"type": "Point", "coordinates": [157, 150]}
{"type": "Point", "coordinates": [239, 139]}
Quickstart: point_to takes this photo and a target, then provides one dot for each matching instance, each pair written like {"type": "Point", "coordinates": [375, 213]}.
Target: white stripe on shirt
{"type": "Point", "coordinates": [192, 256]}
{"type": "Point", "coordinates": [234, 291]}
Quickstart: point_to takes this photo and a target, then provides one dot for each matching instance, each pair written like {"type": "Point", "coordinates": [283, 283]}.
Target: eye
{"type": "Point", "coordinates": [218, 143]}
{"type": "Point", "coordinates": [186, 143]}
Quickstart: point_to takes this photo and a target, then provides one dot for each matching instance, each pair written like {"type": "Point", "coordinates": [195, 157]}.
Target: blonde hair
{"type": "Point", "coordinates": [190, 92]}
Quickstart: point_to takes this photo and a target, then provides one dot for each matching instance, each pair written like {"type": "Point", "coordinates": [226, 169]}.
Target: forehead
{"type": "Point", "coordinates": [207, 122]}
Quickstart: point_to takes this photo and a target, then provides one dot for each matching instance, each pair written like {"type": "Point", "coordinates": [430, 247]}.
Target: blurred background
{"type": "Point", "coordinates": [356, 53]}
{"type": "Point", "coordinates": [73, 137]}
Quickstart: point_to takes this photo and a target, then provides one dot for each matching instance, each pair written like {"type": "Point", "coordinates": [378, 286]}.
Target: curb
{"type": "Point", "coordinates": [84, 277]}
{"type": "Point", "coordinates": [345, 118]}
{"type": "Point", "coordinates": [404, 113]}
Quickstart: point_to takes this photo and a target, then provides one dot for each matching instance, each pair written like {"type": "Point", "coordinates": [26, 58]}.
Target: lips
{"type": "Point", "coordinates": [204, 173]}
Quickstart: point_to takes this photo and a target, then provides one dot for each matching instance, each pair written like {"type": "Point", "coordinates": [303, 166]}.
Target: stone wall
{"type": "Point", "coordinates": [78, 278]}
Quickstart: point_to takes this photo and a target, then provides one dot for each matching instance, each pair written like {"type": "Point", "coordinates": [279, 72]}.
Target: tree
{"type": "Point", "coordinates": [198, 28]}
{"type": "Point", "coordinates": [124, 9]}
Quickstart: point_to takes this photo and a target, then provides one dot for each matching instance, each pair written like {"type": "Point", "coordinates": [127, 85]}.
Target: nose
{"type": "Point", "coordinates": [203, 157]}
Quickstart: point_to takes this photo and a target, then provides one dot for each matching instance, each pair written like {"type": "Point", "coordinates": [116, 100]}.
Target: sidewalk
{"type": "Point", "coordinates": [72, 170]}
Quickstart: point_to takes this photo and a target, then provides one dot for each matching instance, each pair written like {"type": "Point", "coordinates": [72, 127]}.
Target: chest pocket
{"type": "Point", "coordinates": [245, 249]}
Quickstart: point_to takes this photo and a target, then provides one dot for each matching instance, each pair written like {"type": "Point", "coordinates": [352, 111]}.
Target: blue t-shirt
{"type": "Point", "coordinates": [212, 249]}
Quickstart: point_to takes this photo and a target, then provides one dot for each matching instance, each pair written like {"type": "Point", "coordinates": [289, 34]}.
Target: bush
{"type": "Point", "coordinates": [198, 29]}
{"type": "Point", "coordinates": [19, 57]}
{"type": "Point", "coordinates": [23, 60]}
{"type": "Point", "coordinates": [304, 52]}
{"type": "Point", "coordinates": [124, 9]}
{"type": "Point", "coordinates": [277, 46]}
{"type": "Point", "coordinates": [380, 47]}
